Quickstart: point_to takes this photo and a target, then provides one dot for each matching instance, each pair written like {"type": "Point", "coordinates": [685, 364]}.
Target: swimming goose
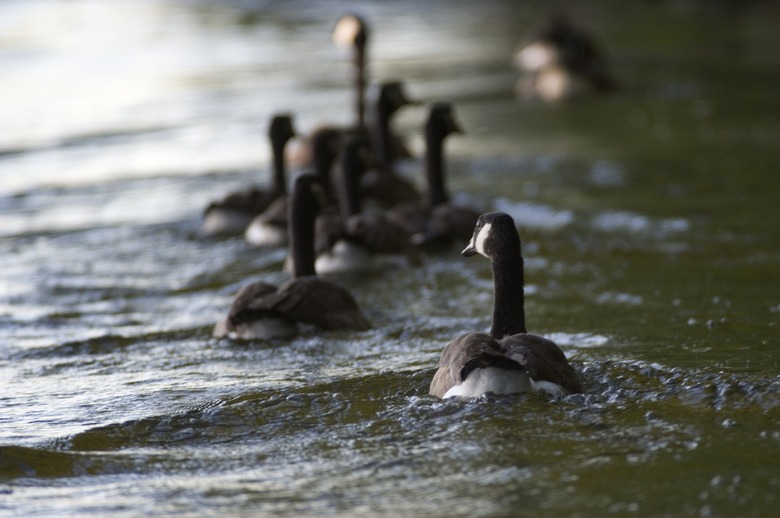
{"type": "Point", "coordinates": [508, 360]}
{"type": "Point", "coordinates": [562, 61]}
{"type": "Point", "coordinates": [381, 182]}
{"type": "Point", "coordinates": [232, 214]}
{"type": "Point", "coordinates": [435, 220]}
{"type": "Point", "coordinates": [356, 240]}
{"type": "Point", "coordinates": [352, 31]}
{"type": "Point", "coordinates": [270, 227]}
{"type": "Point", "coordinates": [263, 311]}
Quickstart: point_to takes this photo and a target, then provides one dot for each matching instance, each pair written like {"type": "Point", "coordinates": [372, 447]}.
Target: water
{"type": "Point", "coordinates": [649, 223]}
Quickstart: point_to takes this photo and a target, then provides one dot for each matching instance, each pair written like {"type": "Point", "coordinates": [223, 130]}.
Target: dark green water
{"type": "Point", "coordinates": [649, 222]}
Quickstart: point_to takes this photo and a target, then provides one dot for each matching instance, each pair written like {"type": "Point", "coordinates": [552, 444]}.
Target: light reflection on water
{"type": "Point", "coordinates": [647, 258]}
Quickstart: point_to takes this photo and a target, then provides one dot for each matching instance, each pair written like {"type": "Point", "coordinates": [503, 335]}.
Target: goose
{"type": "Point", "coordinates": [270, 228]}
{"type": "Point", "coordinates": [508, 359]}
{"type": "Point", "coordinates": [232, 214]}
{"type": "Point", "coordinates": [561, 62]}
{"type": "Point", "coordinates": [356, 240]}
{"type": "Point", "coordinates": [382, 183]}
{"type": "Point", "coordinates": [351, 30]}
{"type": "Point", "coordinates": [434, 220]}
{"type": "Point", "coordinates": [261, 311]}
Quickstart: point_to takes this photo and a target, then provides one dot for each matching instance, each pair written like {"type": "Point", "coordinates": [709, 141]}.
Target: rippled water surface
{"type": "Point", "coordinates": [649, 222]}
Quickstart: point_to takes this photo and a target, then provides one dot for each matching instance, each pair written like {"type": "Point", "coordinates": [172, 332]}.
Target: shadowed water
{"type": "Point", "coordinates": [649, 225]}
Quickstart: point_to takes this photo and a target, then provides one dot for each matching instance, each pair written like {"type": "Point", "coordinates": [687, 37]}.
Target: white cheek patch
{"type": "Point", "coordinates": [479, 239]}
{"type": "Point", "coordinates": [346, 31]}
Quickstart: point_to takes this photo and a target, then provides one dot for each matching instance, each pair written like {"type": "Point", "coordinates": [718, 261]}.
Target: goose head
{"type": "Point", "coordinates": [441, 120]}
{"type": "Point", "coordinates": [493, 232]}
{"type": "Point", "coordinates": [392, 97]}
{"type": "Point", "coordinates": [350, 31]}
{"type": "Point", "coordinates": [281, 129]}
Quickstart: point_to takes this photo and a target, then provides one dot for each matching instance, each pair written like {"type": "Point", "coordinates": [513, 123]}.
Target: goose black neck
{"type": "Point", "coordinates": [277, 152]}
{"type": "Point", "coordinates": [302, 212]}
{"type": "Point", "coordinates": [508, 293]}
{"type": "Point", "coordinates": [360, 81]}
{"type": "Point", "coordinates": [384, 148]}
{"type": "Point", "coordinates": [324, 156]}
{"type": "Point", "coordinates": [434, 165]}
{"type": "Point", "coordinates": [349, 182]}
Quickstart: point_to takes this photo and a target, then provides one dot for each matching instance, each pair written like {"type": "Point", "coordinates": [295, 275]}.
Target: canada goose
{"type": "Point", "coordinates": [352, 31]}
{"type": "Point", "coordinates": [232, 214]}
{"type": "Point", "coordinates": [381, 182]}
{"type": "Point", "coordinates": [435, 220]}
{"type": "Point", "coordinates": [508, 360]}
{"type": "Point", "coordinates": [561, 62]}
{"type": "Point", "coordinates": [353, 240]}
{"type": "Point", "coordinates": [270, 227]}
{"type": "Point", "coordinates": [263, 311]}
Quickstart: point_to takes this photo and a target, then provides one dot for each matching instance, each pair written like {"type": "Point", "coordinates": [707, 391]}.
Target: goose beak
{"type": "Point", "coordinates": [469, 251]}
{"type": "Point", "coordinates": [455, 126]}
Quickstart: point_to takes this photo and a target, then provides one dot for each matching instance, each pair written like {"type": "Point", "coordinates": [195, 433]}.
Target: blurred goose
{"type": "Point", "coordinates": [270, 227]}
{"type": "Point", "coordinates": [356, 240]}
{"type": "Point", "coordinates": [435, 220]}
{"type": "Point", "coordinates": [232, 214]}
{"type": "Point", "coordinates": [263, 311]}
{"type": "Point", "coordinates": [351, 31]}
{"type": "Point", "coordinates": [563, 61]}
{"type": "Point", "coordinates": [508, 360]}
{"type": "Point", "coordinates": [382, 183]}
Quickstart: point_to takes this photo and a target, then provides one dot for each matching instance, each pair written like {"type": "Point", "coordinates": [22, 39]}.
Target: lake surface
{"type": "Point", "coordinates": [649, 222]}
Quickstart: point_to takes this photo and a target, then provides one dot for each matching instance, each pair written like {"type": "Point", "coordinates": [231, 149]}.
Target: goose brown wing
{"type": "Point", "coordinates": [377, 232]}
{"type": "Point", "coordinates": [446, 224]}
{"type": "Point", "coordinates": [328, 229]}
{"type": "Point", "coordinates": [463, 355]}
{"type": "Point", "coordinates": [276, 213]}
{"type": "Point", "coordinates": [247, 304]}
{"type": "Point", "coordinates": [543, 359]}
{"type": "Point", "coordinates": [411, 216]}
{"type": "Point", "coordinates": [316, 301]}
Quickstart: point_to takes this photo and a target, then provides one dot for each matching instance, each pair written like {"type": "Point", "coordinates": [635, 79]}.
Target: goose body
{"type": "Point", "coordinates": [509, 359]}
{"type": "Point", "coordinates": [232, 214]}
{"type": "Point", "coordinates": [263, 311]}
{"type": "Point", "coordinates": [435, 220]}
{"type": "Point", "coordinates": [563, 61]}
{"type": "Point", "coordinates": [352, 31]}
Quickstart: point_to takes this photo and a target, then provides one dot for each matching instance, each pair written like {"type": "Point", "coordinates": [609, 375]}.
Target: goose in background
{"type": "Point", "coordinates": [351, 31]}
{"type": "Point", "coordinates": [434, 220]}
{"type": "Point", "coordinates": [270, 227]}
{"type": "Point", "coordinates": [382, 183]}
{"type": "Point", "coordinates": [562, 61]}
{"type": "Point", "coordinates": [232, 214]}
{"type": "Point", "coordinates": [356, 240]}
{"type": "Point", "coordinates": [263, 311]}
{"type": "Point", "coordinates": [508, 360]}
